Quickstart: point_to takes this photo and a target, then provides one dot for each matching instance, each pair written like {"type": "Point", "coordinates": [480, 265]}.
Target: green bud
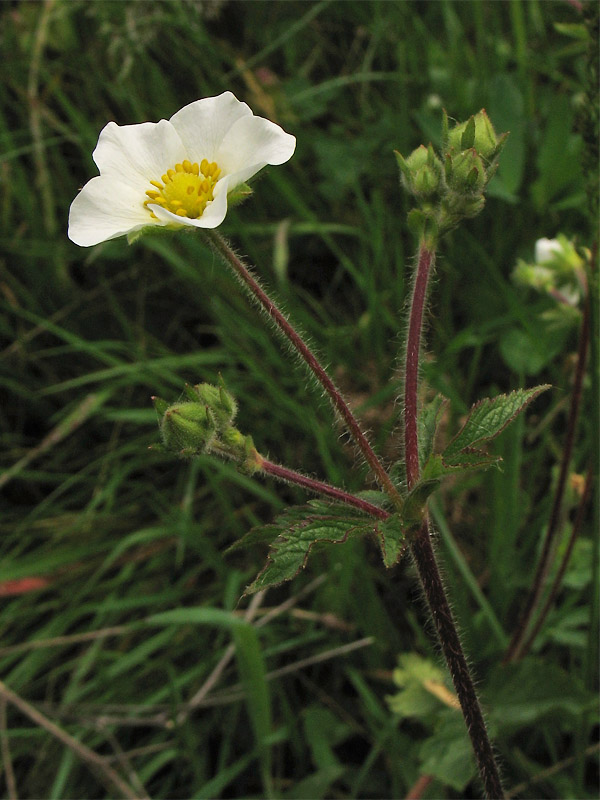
{"type": "Point", "coordinates": [421, 173]}
{"type": "Point", "coordinates": [465, 172]}
{"type": "Point", "coordinates": [220, 402]}
{"type": "Point", "coordinates": [417, 159]}
{"type": "Point", "coordinates": [477, 132]}
{"type": "Point", "coordinates": [188, 427]}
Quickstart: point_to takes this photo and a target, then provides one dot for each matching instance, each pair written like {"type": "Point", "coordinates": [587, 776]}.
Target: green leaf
{"type": "Point", "coordinates": [413, 510]}
{"type": "Point", "coordinates": [411, 676]}
{"type": "Point", "coordinates": [392, 540]}
{"type": "Point", "coordinates": [324, 731]}
{"type": "Point", "coordinates": [298, 530]}
{"type": "Point", "coordinates": [252, 672]}
{"type": "Point", "coordinates": [262, 534]}
{"type": "Point", "coordinates": [448, 755]}
{"type": "Point", "coordinates": [317, 785]}
{"type": "Point", "coordinates": [428, 420]}
{"type": "Point", "coordinates": [526, 353]}
{"type": "Point", "coordinates": [486, 420]}
{"type": "Point", "coordinates": [534, 690]}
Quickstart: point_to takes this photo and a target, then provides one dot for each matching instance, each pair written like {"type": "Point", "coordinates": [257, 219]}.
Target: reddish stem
{"type": "Point", "coordinates": [262, 298]}
{"type": "Point", "coordinates": [413, 351]}
{"type": "Point", "coordinates": [422, 548]}
{"type": "Point", "coordinates": [318, 487]}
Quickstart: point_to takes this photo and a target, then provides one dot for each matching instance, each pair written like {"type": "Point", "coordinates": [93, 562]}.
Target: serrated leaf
{"type": "Point", "coordinates": [427, 425]}
{"type": "Point", "coordinates": [435, 467]}
{"type": "Point", "coordinates": [298, 530]}
{"type": "Point", "coordinates": [392, 540]}
{"type": "Point", "coordinates": [486, 420]}
{"type": "Point", "coordinates": [262, 534]}
{"type": "Point", "coordinates": [379, 499]}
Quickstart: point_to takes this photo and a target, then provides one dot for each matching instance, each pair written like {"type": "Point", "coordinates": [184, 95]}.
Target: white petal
{"type": "Point", "coordinates": [136, 154]}
{"type": "Point", "coordinates": [105, 209]}
{"type": "Point", "coordinates": [546, 249]}
{"type": "Point", "coordinates": [213, 215]}
{"type": "Point", "coordinates": [250, 144]}
{"type": "Point", "coordinates": [203, 124]}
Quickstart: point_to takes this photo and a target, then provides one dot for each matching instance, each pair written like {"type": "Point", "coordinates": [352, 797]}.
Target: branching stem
{"type": "Point", "coordinates": [422, 548]}
{"type": "Point", "coordinates": [250, 283]}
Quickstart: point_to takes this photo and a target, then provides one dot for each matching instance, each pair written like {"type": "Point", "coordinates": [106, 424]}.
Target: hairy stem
{"type": "Point", "coordinates": [445, 626]}
{"type": "Point", "coordinates": [318, 487]}
{"type": "Point", "coordinates": [250, 283]}
{"type": "Point", "coordinates": [425, 263]}
{"type": "Point", "coordinates": [515, 647]}
{"type": "Point", "coordinates": [422, 548]}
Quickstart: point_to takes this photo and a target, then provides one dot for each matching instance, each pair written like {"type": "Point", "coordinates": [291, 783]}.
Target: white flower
{"type": "Point", "coordinates": [546, 249]}
{"type": "Point", "coordinates": [176, 172]}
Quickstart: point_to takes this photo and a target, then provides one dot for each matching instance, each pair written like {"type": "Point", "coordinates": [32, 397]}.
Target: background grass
{"type": "Point", "coordinates": [127, 545]}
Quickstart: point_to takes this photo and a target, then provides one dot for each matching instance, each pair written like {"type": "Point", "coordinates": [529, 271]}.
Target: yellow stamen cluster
{"type": "Point", "coordinates": [185, 190]}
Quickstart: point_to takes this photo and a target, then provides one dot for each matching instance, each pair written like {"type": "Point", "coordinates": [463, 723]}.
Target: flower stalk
{"type": "Point", "coordinates": [252, 286]}
{"type": "Point", "coordinates": [319, 487]}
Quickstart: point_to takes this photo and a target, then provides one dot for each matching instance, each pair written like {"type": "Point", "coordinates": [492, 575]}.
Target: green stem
{"type": "Point", "coordinates": [250, 283]}
{"type": "Point", "coordinates": [422, 548]}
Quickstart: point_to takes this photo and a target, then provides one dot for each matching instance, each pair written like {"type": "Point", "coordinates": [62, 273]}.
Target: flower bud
{"type": "Point", "coordinates": [559, 271]}
{"type": "Point", "coordinates": [220, 402]}
{"type": "Point", "coordinates": [477, 132]}
{"type": "Point", "coordinates": [188, 428]}
{"type": "Point", "coordinates": [546, 249]}
{"type": "Point", "coordinates": [421, 173]}
{"type": "Point", "coordinates": [465, 172]}
{"type": "Point", "coordinates": [559, 253]}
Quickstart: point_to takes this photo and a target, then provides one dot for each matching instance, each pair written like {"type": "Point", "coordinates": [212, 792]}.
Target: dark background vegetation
{"type": "Point", "coordinates": [99, 533]}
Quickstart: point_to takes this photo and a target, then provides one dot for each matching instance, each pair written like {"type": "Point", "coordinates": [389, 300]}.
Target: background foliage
{"type": "Point", "coordinates": [118, 600]}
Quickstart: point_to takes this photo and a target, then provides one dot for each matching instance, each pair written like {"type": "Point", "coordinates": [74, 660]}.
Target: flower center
{"type": "Point", "coordinates": [185, 190]}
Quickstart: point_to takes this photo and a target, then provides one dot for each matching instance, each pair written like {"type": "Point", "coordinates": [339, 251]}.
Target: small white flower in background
{"type": "Point", "coordinates": [175, 173]}
{"type": "Point", "coordinates": [558, 270]}
{"type": "Point", "coordinates": [546, 250]}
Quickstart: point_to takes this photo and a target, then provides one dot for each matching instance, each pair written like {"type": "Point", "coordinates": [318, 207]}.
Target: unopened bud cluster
{"type": "Point", "coordinates": [203, 423]}
{"type": "Point", "coordinates": [558, 270]}
{"type": "Point", "coordinates": [450, 186]}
